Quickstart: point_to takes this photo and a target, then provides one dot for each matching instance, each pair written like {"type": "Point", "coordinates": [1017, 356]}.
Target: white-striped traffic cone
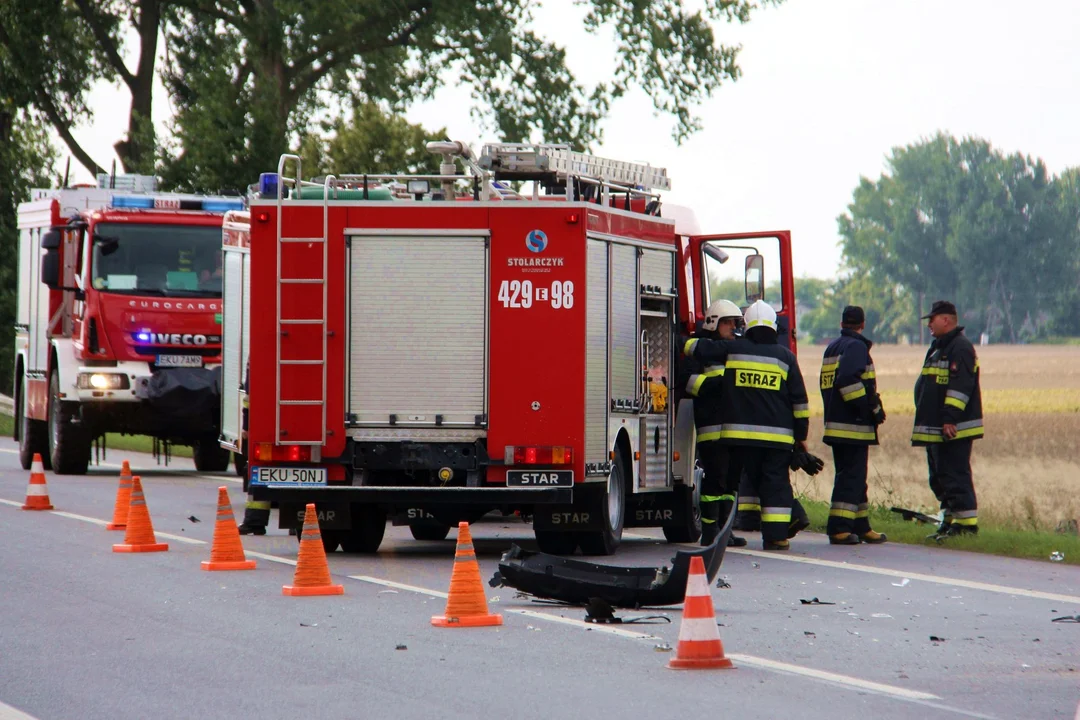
{"type": "Point", "coordinates": [699, 640]}
{"type": "Point", "coordinates": [37, 492]}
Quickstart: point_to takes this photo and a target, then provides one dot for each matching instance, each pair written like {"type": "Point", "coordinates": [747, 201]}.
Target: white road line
{"type": "Point", "coordinates": [940, 580]}
{"type": "Point", "coordinates": [753, 661]}
{"type": "Point", "coordinates": [13, 452]}
{"type": "Point", "coordinates": [9, 713]}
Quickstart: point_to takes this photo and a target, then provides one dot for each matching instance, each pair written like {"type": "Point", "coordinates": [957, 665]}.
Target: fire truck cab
{"type": "Point", "coordinates": [118, 320]}
{"type": "Point", "coordinates": [429, 349]}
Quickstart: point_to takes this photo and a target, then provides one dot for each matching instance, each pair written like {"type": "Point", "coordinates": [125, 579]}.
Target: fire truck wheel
{"type": "Point", "coordinates": [429, 531]}
{"type": "Point", "coordinates": [33, 435]}
{"type": "Point", "coordinates": [209, 456]}
{"type": "Point", "coordinates": [69, 446]}
{"type": "Point", "coordinates": [556, 542]}
{"type": "Point", "coordinates": [612, 508]}
{"type": "Point", "coordinates": [366, 534]}
{"type": "Point", "coordinates": [690, 529]}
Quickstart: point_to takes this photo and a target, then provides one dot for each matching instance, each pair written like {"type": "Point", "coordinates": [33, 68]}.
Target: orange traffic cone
{"type": "Point", "coordinates": [467, 605]}
{"type": "Point", "coordinates": [312, 573]}
{"type": "Point", "coordinates": [123, 499]}
{"type": "Point", "coordinates": [139, 535]}
{"type": "Point", "coordinates": [37, 492]}
{"type": "Point", "coordinates": [699, 640]}
{"type": "Point", "coordinates": [227, 552]}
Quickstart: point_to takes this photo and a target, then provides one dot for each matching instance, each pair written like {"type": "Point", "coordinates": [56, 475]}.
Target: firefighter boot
{"type": "Point", "coordinates": [256, 518]}
{"type": "Point", "coordinates": [799, 519]}
{"type": "Point", "coordinates": [727, 506]}
{"type": "Point", "coordinates": [874, 538]}
{"type": "Point", "coordinates": [845, 538]}
{"type": "Point", "coordinates": [710, 516]}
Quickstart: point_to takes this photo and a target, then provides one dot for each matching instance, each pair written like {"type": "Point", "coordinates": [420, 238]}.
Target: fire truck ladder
{"type": "Point", "coordinates": [558, 163]}
{"type": "Point", "coordinates": [314, 370]}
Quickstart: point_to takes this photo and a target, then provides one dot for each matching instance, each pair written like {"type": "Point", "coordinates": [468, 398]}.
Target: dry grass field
{"type": "Point", "coordinates": [1027, 468]}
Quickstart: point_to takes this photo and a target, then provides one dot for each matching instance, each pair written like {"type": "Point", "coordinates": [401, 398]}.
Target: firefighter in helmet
{"type": "Point", "coordinates": [765, 414]}
{"type": "Point", "coordinates": [705, 385]}
{"type": "Point", "coordinates": [256, 512]}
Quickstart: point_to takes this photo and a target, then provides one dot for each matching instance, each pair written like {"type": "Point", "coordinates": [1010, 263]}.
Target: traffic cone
{"type": "Point", "coordinates": [312, 573]}
{"type": "Point", "coordinates": [227, 552]}
{"type": "Point", "coordinates": [139, 534]}
{"type": "Point", "coordinates": [467, 605]}
{"type": "Point", "coordinates": [37, 492]}
{"type": "Point", "coordinates": [699, 640]}
{"type": "Point", "coordinates": [123, 499]}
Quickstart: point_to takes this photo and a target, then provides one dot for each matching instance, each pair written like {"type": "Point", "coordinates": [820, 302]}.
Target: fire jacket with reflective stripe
{"type": "Point", "coordinates": [702, 383]}
{"type": "Point", "coordinates": [947, 391]}
{"type": "Point", "coordinates": [763, 402]}
{"type": "Point", "coordinates": [849, 389]}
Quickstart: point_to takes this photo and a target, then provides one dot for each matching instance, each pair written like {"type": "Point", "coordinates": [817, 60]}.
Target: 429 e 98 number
{"type": "Point", "coordinates": [522, 294]}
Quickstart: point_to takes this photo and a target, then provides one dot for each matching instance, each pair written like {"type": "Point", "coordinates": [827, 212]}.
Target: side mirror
{"type": "Point", "coordinates": [755, 278]}
{"type": "Point", "coordinates": [51, 239]}
{"type": "Point", "coordinates": [50, 268]}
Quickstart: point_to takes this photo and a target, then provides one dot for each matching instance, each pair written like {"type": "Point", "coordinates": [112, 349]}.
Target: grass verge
{"type": "Point", "coordinates": [113, 441]}
{"type": "Point", "coordinates": [992, 539]}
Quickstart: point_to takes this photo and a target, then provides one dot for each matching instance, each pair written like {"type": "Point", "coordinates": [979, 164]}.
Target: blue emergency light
{"type": "Point", "coordinates": [144, 202]}
{"type": "Point", "coordinates": [133, 202]}
{"type": "Point", "coordinates": [268, 183]}
{"type": "Point", "coordinates": [222, 205]}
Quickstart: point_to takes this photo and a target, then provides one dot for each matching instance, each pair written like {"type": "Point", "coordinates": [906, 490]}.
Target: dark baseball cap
{"type": "Point", "coordinates": [853, 315]}
{"type": "Point", "coordinates": [940, 307]}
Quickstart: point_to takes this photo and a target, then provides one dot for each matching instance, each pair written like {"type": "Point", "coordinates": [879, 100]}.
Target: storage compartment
{"type": "Point", "coordinates": [656, 378]}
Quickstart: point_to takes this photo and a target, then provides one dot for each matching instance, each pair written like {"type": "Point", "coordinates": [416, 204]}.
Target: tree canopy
{"type": "Point", "coordinates": [958, 219]}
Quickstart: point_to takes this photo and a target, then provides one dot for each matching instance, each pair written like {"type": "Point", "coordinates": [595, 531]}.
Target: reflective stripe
{"type": "Point", "coordinates": [965, 513]}
{"type": "Point", "coordinates": [761, 323]}
{"type": "Point", "coordinates": [257, 505]}
{"type": "Point", "coordinates": [953, 402]}
{"type": "Point", "coordinates": [759, 362]}
{"type": "Point", "coordinates": [959, 396]}
{"type": "Point", "coordinates": [849, 432]}
{"type": "Point", "coordinates": [801, 410]}
{"type": "Point", "coordinates": [693, 385]}
{"type": "Point", "coordinates": [869, 373]}
{"type": "Point", "coordinates": [830, 363]}
{"type": "Point", "coordinates": [835, 512]}
{"type": "Point", "coordinates": [776, 514]}
{"type": "Point", "coordinates": [749, 507]}
{"type": "Point", "coordinates": [969, 521]}
{"type": "Point", "coordinates": [936, 371]}
{"type": "Point", "coordinates": [36, 489]}
{"type": "Point", "coordinates": [864, 511]}
{"type": "Point", "coordinates": [709, 432]}
{"type": "Point", "coordinates": [921, 437]}
{"type": "Point", "coordinates": [969, 433]}
{"type": "Point", "coordinates": [688, 348]}
{"type": "Point", "coordinates": [853, 391]}
{"type": "Point", "coordinates": [967, 424]}
{"type": "Point", "coordinates": [714, 498]}
{"type": "Point", "coordinates": [845, 506]}
{"type": "Point", "coordinates": [766, 433]}
{"type": "Point", "coordinates": [708, 521]}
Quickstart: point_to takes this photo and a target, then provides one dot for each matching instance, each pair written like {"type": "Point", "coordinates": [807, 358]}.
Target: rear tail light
{"type": "Point", "coordinates": [268, 452]}
{"type": "Point", "coordinates": [539, 455]}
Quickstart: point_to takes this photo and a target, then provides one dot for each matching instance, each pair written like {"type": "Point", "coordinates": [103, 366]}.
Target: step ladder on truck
{"type": "Point", "coordinates": [501, 336]}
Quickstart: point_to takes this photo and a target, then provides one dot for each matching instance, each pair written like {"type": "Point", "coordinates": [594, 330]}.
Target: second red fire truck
{"type": "Point", "coordinates": [432, 348]}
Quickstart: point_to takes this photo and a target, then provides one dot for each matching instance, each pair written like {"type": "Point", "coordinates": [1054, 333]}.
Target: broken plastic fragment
{"type": "Point", "coordinates": [662, 647]}
{"type": "Point", "coordinates": [902, 583]}
{"type": "Point", "coordinates": [1057, 556]}
{"type": "Point", "coordinates": [935, 638]}
{"type": "Point", "coordinates": [815, 601]}
{"type": "Point", "coordinates": [401, 647]}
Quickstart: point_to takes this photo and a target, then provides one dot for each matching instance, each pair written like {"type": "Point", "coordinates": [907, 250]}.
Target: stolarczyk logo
{"type": "Point", "coordinates": [536, 241]}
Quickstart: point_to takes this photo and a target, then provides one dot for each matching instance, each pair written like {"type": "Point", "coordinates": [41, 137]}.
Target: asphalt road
{"type": "Point", "coordinates": [87, 633]}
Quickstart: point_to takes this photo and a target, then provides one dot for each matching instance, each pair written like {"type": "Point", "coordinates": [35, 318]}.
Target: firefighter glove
{"type": "Point", "coordinates": [807, 462]}
{"type": "Point", "coordinates": [878, 410]}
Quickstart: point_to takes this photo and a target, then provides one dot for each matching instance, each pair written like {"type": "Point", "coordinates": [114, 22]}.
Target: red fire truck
{"type": "Point", "coordinates": [434, 348]}
{"type": "Point", "coordinates": [118, 320]}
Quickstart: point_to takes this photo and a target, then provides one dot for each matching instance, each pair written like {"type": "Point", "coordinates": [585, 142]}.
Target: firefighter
{"type": "Point", "coordinates": [853, 412]}
{"type": "Point", "coordinates": [704, 385]}
{"type": "Point", "coordinates": [948, 418]}
{"type": "Point", "coordinates": [256, 512]}
{"type": "Point", "coordinates": [765, 415]}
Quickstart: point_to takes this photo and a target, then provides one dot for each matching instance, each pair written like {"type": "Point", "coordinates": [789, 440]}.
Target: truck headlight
{"type": "Point", "coordinates": [102, 381]}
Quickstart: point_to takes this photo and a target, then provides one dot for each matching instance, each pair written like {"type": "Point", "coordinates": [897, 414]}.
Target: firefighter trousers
{"type": "Point", "coordinates": [951, 481]}
{"type": "Point", "coordinates": [850, 511]}
{"type": "Point", "coordinates": [748, 515]}
{"type": "Point", "coordinates": [767, 478]}
{"type": "Point", "coordinates": [720, 483]}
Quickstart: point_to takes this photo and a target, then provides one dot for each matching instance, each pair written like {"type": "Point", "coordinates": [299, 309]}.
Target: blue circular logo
{"type": "Point", "coordinates": [536, 241]}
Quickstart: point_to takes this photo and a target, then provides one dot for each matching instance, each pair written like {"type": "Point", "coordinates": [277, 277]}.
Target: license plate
{"type": "Point", "coordinates": [187, 361]}
{"type": "Point", "coordinates": [288, 476]}
{"type": "Point", "coordinates": [539, 478]}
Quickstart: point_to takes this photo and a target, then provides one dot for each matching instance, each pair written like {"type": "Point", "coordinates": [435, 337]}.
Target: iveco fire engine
{"type": "Point", "coordinates": [431, 348]}
{"type": "Point", "coordinates": [119, 320]}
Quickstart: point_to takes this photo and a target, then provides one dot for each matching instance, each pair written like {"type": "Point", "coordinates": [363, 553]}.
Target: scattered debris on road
{"type": "Point", "coordinates": [1067, 618]}
{"type": "Point", "coordinates": [814, 601]}
{"type": "Point", "coordinates": [309, 625]}
{"type": "Point", "coordinates": [915, 515]}
{"type": "Point", "coordinates": [935, 638]}
{"type": "Point", "coordinates": [807, 633]}
{"type": "Point", "coordinates": [723, 584]}
{"type": "Point", "coordinates": [401, 647]}
{"type": "Point", "coordinates": [194, 519]}
{"type": "Point", "coordinates": [902, 583]}
{"type": "Point", "coordinates": [1057, 556]}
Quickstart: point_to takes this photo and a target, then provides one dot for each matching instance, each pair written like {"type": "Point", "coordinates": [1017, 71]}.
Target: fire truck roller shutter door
{"type": "Point", "coordinates": [596, 403]}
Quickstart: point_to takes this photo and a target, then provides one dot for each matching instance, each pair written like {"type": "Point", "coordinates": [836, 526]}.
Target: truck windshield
{"type": "Point", "coordinates": [172, 260]}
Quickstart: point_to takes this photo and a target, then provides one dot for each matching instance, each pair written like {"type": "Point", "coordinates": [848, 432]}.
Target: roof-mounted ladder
{"type": "Point", "coordinates": [556, 163]}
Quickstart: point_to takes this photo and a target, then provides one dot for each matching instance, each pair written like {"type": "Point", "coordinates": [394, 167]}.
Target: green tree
{"type": "Point", "coordinates": [26, 160]}
{"type": "Point", "coordinates": [246, 78]}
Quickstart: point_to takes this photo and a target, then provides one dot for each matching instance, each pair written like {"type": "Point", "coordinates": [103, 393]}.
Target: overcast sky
{"type": "Point", "coordinates": [828, 88]}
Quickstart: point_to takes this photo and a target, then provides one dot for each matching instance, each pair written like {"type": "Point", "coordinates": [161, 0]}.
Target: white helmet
{"type": "Point", "coordinates": [760, 314]}
{"type": "Point", "coordinates": [718, 310]}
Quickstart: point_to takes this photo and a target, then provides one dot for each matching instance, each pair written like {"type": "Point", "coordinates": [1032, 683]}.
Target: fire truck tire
{"type": "Point", "coordinates": [366, 534]}
{"type": "Point", "coordinates": [429, 531]}
{"type": "Point", "coordinates": [209, 456]}
{"type": "Point", "coordinates": [612, 508]}
{"type": "Point", "coordinates": [69, 446]}
{"type": "Point", "coordinates": [690, 530]}
{"type": "Point", "coordinates": [33, 435]}
{"type": "Point", "coordinates": [556, 542]}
